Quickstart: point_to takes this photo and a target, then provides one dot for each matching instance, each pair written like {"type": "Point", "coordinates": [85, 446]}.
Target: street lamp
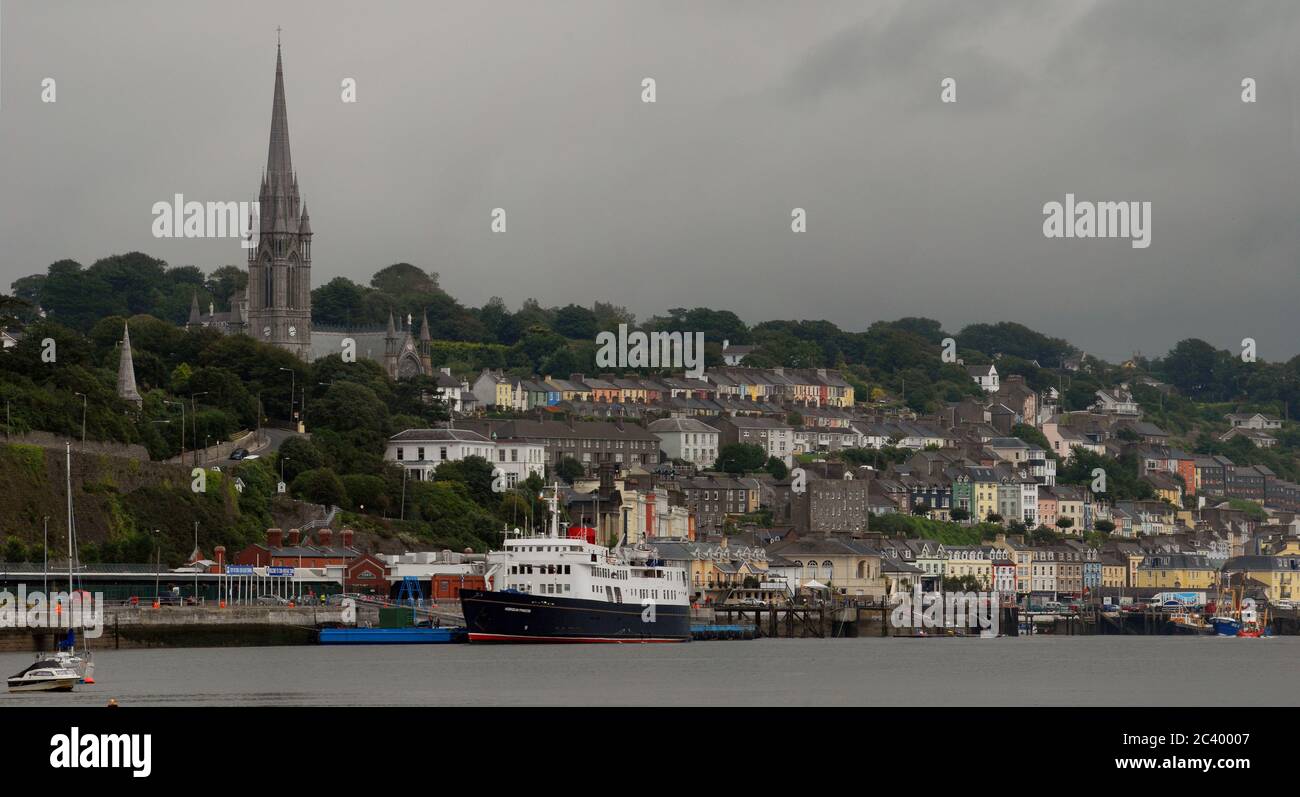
{"type": "Point", "coordinates": [283, 459]}
{"type": "Point", "coordinates": [83, 415]}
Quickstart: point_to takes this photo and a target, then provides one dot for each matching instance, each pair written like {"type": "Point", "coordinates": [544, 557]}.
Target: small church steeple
{"type": "Point", "coordinates": [126, 388]}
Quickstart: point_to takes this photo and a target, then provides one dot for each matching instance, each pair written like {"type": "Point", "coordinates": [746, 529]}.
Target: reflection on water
{"type": "Point", "coordinates": [1025, 671]}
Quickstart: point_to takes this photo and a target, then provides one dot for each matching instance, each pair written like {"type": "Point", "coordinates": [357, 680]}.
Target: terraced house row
{"type": "Point", "coordinates": [816, 387]}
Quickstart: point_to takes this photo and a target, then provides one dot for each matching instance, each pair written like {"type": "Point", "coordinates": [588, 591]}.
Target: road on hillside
{"type": "Point", "coordinates": [275, 438]}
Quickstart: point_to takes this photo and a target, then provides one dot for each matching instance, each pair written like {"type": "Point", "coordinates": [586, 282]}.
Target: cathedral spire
{"type": "Point", "coordinates": [279, 165]}
{"type": "Point", "coordinates": [126, 388]}
{"type": "Point", "coordinates": [279, 267]}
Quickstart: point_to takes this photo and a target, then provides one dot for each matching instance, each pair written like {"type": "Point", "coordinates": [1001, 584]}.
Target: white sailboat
{"type": "Point", "coordinates": [64, 668]}
{"type": "Point", "coordinates": [66, 651]}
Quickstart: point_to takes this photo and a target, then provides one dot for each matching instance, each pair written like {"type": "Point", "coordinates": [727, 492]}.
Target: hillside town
{"type": "Point", "coordinates": [791, 460]}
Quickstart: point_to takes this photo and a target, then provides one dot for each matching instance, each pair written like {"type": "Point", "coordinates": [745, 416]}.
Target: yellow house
{"type": "Point", "coordinates": [630, 392]}
{"type": "Point", "coordinates": [851, 568]}
{"type": "Point", "coordinates": [1279, 574]}
{"type": "Point", "coordinates": [984, 491]}
{"type": "Point", "coordinates": [568, 390]}
{"type": "Point", "coordinates": [970, 560]}
{"type": "Point", "coordinates": [1166, 488]}
{"type": "Point", "coordinates": [1177, 571]}
{"type": "Point", "coordinates": [1114, 572]}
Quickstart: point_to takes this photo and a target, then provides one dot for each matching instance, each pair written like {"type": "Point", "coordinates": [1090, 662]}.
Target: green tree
{"type": "Point", "coordinates": [299, 454]}
{"type": "Point", "coordinates": [320, 486]}
{"type": "Point", "coordinates": [740, 458]}
{"type": "Point", "coordinates": [473, 472]}
{"type": "Point", "coordinates": [569, 469]}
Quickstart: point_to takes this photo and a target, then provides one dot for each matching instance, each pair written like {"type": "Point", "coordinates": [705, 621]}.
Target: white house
{"type": "Point", "coordinates": [1252, 420]}
{"type": "Point", "coordinates": [1117, 401]}
{"type": "Point", "coordinates": [734, 355]}
{"type": "Point", "coordinates": [450, 390]}
{"type": "Point", "coordinates": [986, 376]}
{"type": "Point", "coordinates": [421, 451]}
{"type": "Point", "coordinates": [687, 439]}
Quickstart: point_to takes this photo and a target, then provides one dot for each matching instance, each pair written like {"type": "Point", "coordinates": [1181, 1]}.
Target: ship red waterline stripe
{"type": "Point", "coordinates": [481, 637]}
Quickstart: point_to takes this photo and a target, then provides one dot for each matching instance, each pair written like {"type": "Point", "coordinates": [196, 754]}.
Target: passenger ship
{"type": "Point", "coordinates": [555, 588]}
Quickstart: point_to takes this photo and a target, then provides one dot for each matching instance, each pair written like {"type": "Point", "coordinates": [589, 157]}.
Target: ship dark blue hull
{"type": "Point", "coordinates": [521, 617]}
{"type": "Point", "coordinates": [1225, 626]}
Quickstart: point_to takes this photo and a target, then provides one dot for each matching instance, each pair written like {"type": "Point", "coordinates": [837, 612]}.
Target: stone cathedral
{"type": "Point", "coordinates": [275, 307]}
{"type": "Point", "coordinates": [279, 267]}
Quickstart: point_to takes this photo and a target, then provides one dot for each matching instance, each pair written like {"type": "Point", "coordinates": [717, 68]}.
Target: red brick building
{"type": "Point", "coordinates": [299, 553]}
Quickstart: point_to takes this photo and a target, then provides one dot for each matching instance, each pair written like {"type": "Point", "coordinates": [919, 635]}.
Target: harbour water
{"type": "Point", "coordinates": [1044, 670]}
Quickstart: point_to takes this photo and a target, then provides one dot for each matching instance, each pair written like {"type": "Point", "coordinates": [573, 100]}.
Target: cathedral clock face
{"type": "Point", "coordinates": [266, 332]}
{"type": "Point", "coordinates": [293, 332]}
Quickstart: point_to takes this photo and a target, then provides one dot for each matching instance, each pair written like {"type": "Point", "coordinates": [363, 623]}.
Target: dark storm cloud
{"type": "Point", "coordinates": [915, 208]}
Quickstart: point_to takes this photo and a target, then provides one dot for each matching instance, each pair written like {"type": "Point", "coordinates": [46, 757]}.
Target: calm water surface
{"type": "Point", "coordinates": [1041, 670]}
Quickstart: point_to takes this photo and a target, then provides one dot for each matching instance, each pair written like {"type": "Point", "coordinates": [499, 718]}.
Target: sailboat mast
{"type": "Point", "coordinates": [68, 454]}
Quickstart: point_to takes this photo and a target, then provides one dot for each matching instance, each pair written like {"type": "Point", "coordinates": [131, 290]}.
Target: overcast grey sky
{"type": "Point", "coordinates": [915, 207]}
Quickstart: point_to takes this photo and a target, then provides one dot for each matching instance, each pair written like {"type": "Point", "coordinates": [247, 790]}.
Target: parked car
{"type": "Point", "coordinates": [239, 453]}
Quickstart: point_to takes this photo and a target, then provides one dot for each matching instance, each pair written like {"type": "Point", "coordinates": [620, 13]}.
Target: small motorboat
{"type": "Point", "coordinates": [45, 675]}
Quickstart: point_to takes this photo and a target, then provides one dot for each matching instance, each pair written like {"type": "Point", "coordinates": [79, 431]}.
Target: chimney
{"type": "Point", "coordinates": [274, 538]}
{"type": "Point", "coordinates": [446, 371]}
{"type": "Point", "coordinates": [294, 536]}
{"type": "Point", "coordinates": [325, 537]}
{"type": "Point", "coordinates": [347, 538]}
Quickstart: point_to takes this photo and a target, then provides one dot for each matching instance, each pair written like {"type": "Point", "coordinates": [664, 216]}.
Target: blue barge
{"type": "Point", "coordinates": [391, 636]}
